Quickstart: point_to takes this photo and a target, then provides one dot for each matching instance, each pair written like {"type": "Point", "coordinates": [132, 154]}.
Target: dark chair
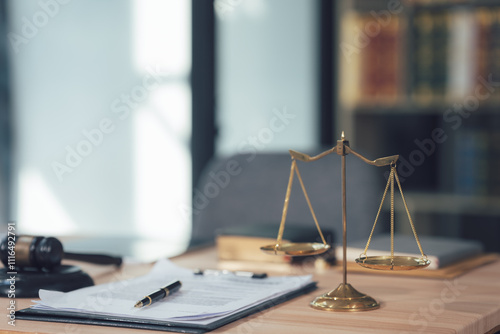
{"type": "Point", "coordinates": [250, 189]}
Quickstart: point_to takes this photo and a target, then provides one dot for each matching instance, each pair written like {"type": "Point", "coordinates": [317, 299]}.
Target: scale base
{"type": "Point", "coordinates": [26, 283]}
{"type": "Point", "coordinates": [345, 298]}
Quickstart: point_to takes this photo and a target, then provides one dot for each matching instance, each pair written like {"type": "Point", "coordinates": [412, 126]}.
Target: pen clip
{"type": "Point", "coordinates": [218, 272]}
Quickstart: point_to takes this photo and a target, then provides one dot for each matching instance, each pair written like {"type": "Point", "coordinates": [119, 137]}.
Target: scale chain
{"type": "Point", "coordinates": [285, 206]}
{"type": "Point", "coordinates": [295, 169]}
{"type": "Point", "coordinates": [309, 204]}
{"type": "Point", "coordinates": [378, 213]}
{"type": "Point", "coordinates": [390, 182]}
{"type": "Point", "coordinates": [409, 217]}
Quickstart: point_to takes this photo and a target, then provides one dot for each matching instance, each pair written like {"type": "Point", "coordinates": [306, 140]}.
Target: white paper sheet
{"type": "Point", "coordinates": [201, 300]}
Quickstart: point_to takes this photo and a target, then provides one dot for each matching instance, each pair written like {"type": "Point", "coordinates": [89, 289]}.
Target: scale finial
{"type": "Point", "coordinates": [342, 136]}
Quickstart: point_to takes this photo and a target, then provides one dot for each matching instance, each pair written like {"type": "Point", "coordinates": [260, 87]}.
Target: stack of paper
{"type": "Point", "coordinates": [202, 300]}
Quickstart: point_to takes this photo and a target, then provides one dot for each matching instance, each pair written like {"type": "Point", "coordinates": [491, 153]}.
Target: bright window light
{"type": "Point", "coordinates": [162, 35]}
{"type": "Point", "coordinates": [162, 123]}
{"type": "Point", "coordinates": [162, 164]}
{"type": "Point", "coordinates": [37, 196]}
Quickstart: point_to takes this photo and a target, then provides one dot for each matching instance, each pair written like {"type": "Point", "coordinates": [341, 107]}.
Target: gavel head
{"type": "Point", "coordinates": [31, 252]}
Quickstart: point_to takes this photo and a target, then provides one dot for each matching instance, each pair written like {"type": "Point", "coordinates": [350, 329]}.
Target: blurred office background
{"type": "Point", "coordinates": [111, 109]}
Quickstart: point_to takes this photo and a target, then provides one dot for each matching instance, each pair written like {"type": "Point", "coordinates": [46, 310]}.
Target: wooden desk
{"type": "Point", "coordinates": [468, 304]}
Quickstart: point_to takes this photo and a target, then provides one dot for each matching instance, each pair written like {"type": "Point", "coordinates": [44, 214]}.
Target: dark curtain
{"type": "Point", "coordinates": [5, 120]}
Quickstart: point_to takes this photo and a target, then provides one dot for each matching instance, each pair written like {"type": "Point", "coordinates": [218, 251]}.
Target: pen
{"type": "Point", "coordinates": [225, 272]}
{"type": "Point", "coordinates": [159, 294]}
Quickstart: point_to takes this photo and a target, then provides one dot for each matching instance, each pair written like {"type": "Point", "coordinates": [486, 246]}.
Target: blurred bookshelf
{"type": "Point", "coordinates": [422, 79]}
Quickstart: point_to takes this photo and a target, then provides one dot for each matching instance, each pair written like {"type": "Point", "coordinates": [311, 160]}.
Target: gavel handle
{"type": "Point", "coordinates": [94, 258]}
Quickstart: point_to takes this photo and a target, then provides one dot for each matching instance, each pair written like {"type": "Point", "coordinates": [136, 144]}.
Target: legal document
{"type": "Point", "coordinates": [202, 299]}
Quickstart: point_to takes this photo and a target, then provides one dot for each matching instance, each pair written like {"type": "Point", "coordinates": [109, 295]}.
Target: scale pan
{"type": "Point", "coordinates": [296, 249]}
{"type": "Point", "coordinates": [394, 263]}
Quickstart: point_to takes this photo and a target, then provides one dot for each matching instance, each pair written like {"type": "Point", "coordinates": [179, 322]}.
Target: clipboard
{"type": "Point", "coordinates": [168, 326]}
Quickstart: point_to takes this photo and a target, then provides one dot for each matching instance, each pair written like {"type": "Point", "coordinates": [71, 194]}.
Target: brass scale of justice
{"type": "Point", "coordinates": [345, 297]}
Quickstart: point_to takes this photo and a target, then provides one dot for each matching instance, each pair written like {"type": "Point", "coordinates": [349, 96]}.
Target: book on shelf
{"type": "Point", "coordinates": [452, 48]}
{"type": "Point", "coordinates": [441, 251]}
{"type": "Point", "coordinates": [470, 158]}
{"type": "Point", "coordinates": [494, 156]}
{"type": "Point", "coordinates": [488, 46]}
{"type": "Point", "coordinates": [371, 63]}
{"type": "Point", "coordinates": [430, 43]}
{"type": "Point", "coordinates": [439, 53]}
{"type": "Point", "coordinates": [242, 243]}
{"type": "Point", "coordinates": [471, 161]}
{"type": "Point", "coordinates": [380, 61]}
{"type": "Point", "coordinates": [461, 57]}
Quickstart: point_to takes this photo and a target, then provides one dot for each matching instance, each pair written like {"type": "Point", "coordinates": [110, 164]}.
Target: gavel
{"type": "Point", "coordinates": [44, 253]}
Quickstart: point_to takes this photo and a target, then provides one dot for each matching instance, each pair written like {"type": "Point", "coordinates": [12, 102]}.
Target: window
{"type": "Point", "coordinates": [102, 109]}
{"type": "Point", "coordinates": [267, 75]}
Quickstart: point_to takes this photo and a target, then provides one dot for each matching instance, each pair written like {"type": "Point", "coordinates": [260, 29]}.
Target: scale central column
{"type": "Point", "coordinates": [344, 297]}
{"type": "Point", "coordinates": [344, 210]}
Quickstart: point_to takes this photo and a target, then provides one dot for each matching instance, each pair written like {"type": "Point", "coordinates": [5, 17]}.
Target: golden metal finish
{"type": "Point", "coordinates": [408, 213]}
{"type": "Point", "coordinates": [306, 158]}
{"type": "Point", "coordinates": [345, 297]}
{"type": "Point", "coordinates": [296, 249]}
{"type": "Point", "coordinates": [341, 144]}
{"type": "Point", "coordinates": [393, 262]}
{"type": "Point", "coordinates": [377, 162]}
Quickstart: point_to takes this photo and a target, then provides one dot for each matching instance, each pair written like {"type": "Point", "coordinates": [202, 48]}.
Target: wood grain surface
{"type": "Point", "coordinates": [467, 304]}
